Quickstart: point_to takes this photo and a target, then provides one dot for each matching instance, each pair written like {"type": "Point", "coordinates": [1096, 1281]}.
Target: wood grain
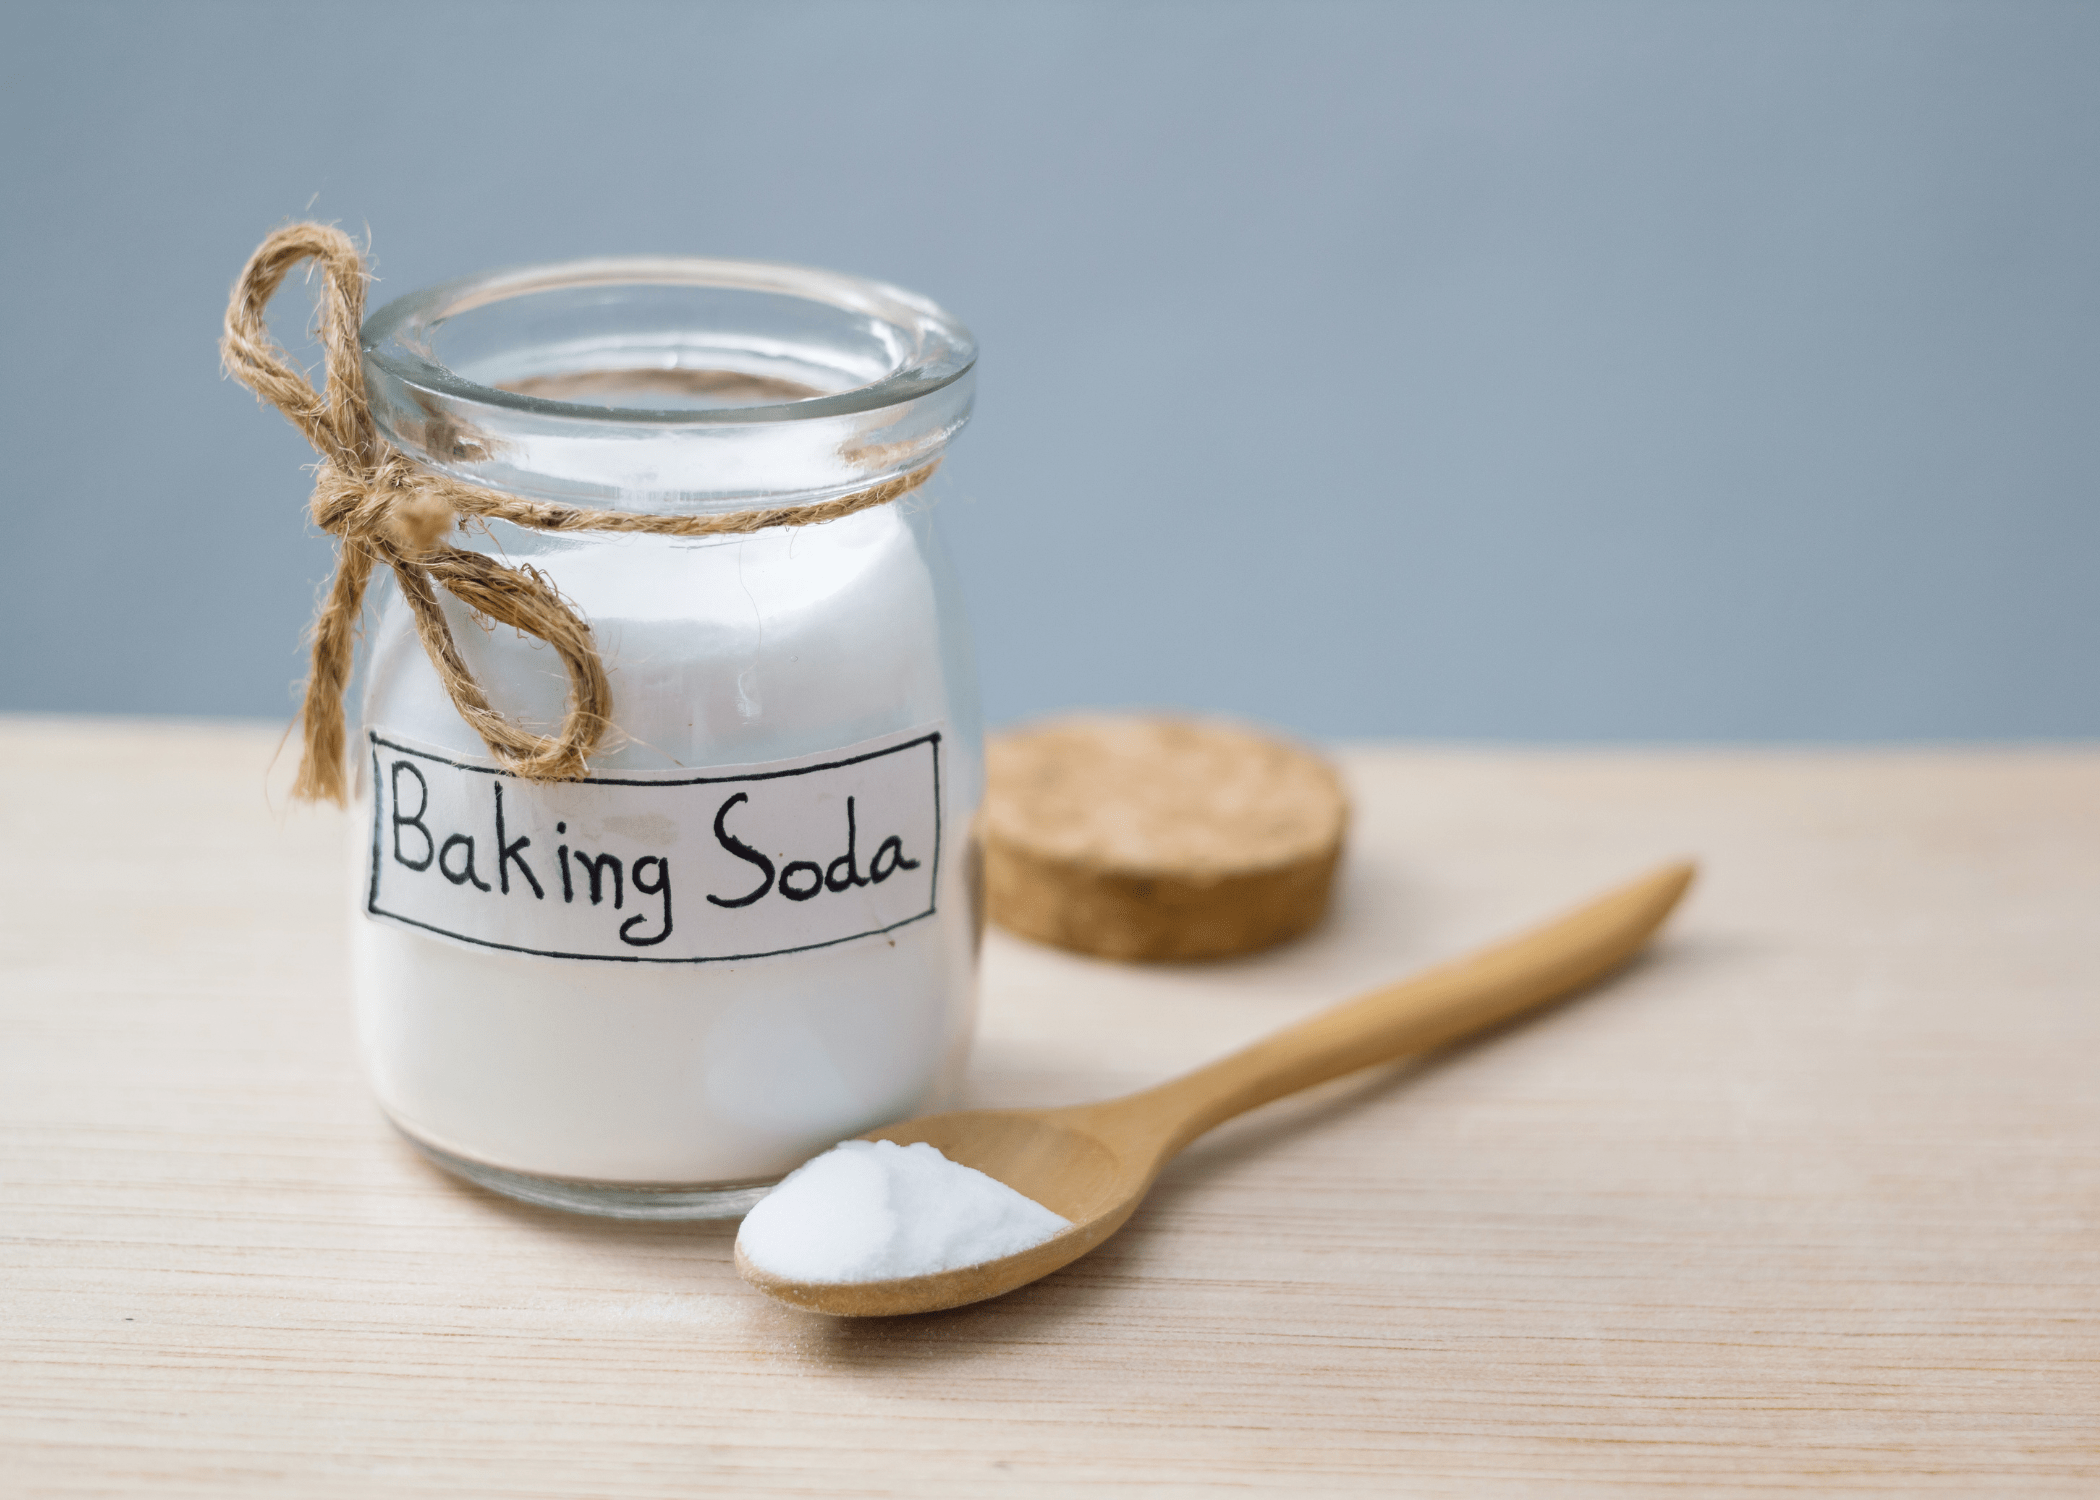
{"type": "Point", "coordinates": [1808, 1199]}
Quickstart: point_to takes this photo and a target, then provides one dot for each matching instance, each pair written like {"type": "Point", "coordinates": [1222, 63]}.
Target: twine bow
{"type": "Point", "coordinates": [383, 507]}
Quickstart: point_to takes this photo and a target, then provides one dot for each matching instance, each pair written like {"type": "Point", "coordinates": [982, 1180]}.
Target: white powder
{"type": "Point", "coordinates": [782, 644]}
{"type": "Point", "coordinates": [874, 1210]}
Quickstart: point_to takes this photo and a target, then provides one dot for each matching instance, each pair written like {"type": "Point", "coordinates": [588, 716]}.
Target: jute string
{"type": "Point", "coordinates": [383, 507]}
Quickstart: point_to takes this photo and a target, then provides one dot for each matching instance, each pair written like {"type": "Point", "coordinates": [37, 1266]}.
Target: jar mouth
{"type": "Point", "coordinates": [668, 341]}
{"type": "Point", "coordinates": [668, 383]}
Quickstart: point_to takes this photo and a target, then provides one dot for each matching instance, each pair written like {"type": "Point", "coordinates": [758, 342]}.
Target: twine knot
{"type": "Point", "coordinates": [397, 501]}
{"type": "Point", "coordinates": [382, 506]}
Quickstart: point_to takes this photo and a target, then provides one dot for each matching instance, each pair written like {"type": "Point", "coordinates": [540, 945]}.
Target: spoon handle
{"type": "Point", "coordinates": [1430, 1010]}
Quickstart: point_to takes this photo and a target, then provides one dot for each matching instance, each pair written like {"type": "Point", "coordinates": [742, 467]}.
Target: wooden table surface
{"type": "Point", "coordinates": [1808, 1200]}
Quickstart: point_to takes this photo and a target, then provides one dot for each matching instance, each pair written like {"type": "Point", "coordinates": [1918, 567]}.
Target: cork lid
{"type": "Point", "coordinates": [1156, 837]}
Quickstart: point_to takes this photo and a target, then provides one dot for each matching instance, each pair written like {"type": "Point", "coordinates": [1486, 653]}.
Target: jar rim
{"type": "Point", "coordinates": [938, 350]}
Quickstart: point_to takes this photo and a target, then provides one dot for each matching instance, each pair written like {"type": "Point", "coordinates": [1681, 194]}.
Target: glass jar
{"type": "Point", "coordinates": [795, 747]}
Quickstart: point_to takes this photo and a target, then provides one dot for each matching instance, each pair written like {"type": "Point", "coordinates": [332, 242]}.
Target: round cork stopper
{"type": "Point", "coordinates": [1156, 838]}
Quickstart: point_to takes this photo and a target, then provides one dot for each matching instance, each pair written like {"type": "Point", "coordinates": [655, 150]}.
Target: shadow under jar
{"type": "Point", "coordinates": [752, 929]}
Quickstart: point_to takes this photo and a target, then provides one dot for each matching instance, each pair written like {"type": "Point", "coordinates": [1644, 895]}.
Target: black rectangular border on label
{"type": "Point", "coordinates": [372, 908]}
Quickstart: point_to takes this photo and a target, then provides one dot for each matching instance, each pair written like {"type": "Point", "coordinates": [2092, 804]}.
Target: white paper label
{"type": "Point", "coordinates": [735, 862]}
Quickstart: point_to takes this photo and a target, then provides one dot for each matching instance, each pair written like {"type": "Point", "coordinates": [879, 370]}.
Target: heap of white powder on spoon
{"type": "Point", "coordinates": [877, 1211]}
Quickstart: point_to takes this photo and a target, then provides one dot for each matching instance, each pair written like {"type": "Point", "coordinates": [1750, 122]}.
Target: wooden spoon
{"type": "Point", "coordinates": [1093, 1163]}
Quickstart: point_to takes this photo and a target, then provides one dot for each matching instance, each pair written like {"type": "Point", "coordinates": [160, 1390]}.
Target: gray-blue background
{"type": "Point", "coordinates": [1606, 371]}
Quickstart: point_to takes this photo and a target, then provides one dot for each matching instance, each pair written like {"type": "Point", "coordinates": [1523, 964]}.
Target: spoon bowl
{"type": "Point", "coordinates": [1056, 1156]}
{"type": "Point", "coordinates": [1093, 1163]}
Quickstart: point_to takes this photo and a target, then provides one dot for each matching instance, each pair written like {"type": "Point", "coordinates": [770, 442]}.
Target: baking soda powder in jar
{"type": "Point", "coordinates": [749, 928]}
